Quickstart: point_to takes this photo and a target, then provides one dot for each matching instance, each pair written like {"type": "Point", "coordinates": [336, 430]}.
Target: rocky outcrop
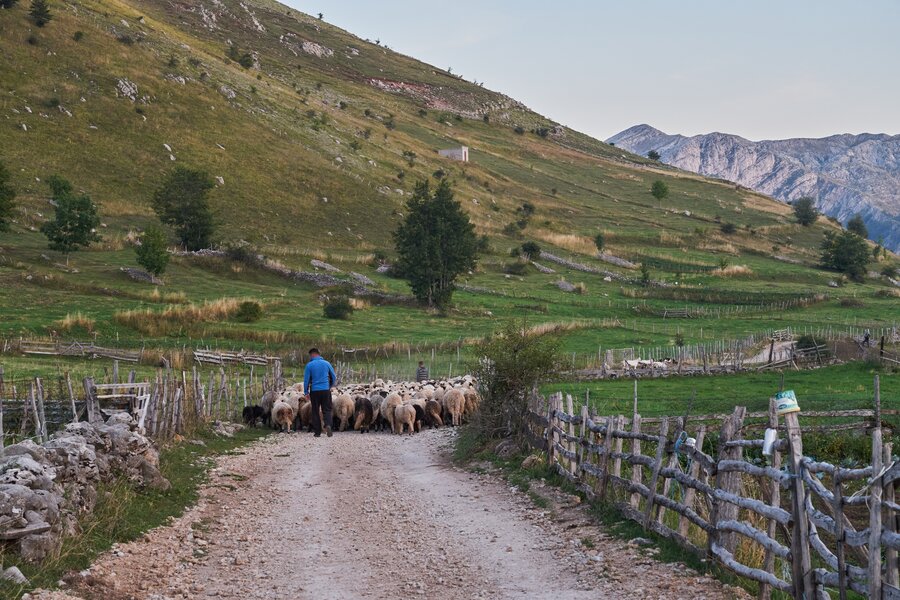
{"type": "Point", "coordinates": [44, 489]}
{"type": "Point", "coordinates": [847, 174]}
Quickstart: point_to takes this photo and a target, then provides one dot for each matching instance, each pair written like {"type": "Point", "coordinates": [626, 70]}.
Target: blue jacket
{"type": "Point", "coordinates": [318, 375]}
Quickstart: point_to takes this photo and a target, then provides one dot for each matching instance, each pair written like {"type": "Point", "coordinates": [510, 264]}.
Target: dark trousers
{"type": "Point", "coordinates": [320, 399]}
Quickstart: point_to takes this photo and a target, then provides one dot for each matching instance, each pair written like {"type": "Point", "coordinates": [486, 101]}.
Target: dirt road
{"type": "Point", "coordinates": [378, 516]}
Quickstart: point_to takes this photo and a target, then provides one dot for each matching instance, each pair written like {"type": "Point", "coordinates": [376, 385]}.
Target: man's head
{"type": "Point", "coordinates": [421, 363]}
{"type": "Point", "coordinates": [313, 352]}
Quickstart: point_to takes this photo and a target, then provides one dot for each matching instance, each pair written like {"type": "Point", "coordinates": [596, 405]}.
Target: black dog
{"type": "Point", "coordinates": [420, 417]}
{"type": "Point", "coordinates": [253, 414]}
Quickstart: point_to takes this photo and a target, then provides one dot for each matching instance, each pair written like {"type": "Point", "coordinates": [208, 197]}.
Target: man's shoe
{"type": "Point", "coordinates": [317, 435]}
{"type": "Point", "coordinates": [328, 431]}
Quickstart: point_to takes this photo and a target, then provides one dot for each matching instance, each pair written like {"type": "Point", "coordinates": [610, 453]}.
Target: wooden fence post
{"type": "Point", "coordinates": [892, 576]}
{"type": "Point", "coordinates": [93, 415]}
{"type": "Point", "coordinates": [44, 433]}
{"type": "Point", "coordinates": [583, 438]}
{"type": "Point", "coordinates": [570, 409]}
{"type": "Point", "coordinates": [550, 448]}
{"type": "Point", "coordinates": [2, 392]}
{"type": "Point", "coordinates": [618, 425]}
{"type": "Point", "coordinates": [636, 469]}
{"type": "Point", "coordinates": [729, 481]}
{"type": "Point", "coordinates": [802, 559]}
{"type": "Point", "coordinates": [71, 398]}
{"type": "Point", "coordinates": [672, 462]}
{"type": "Point", "coordinates": [657, 465]}
{"type": "Point", "coordinates": [604, 460]}
{"type": "Point", "coordinates": [690, 492]}
{"type": "Point", "coordinates": [765, 591]}
{"type": "Point", "coordinates": [875, 493]}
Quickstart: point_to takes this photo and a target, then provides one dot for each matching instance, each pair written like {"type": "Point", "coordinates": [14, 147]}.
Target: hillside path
{"type": "Point", "coordinates": [378, 516]}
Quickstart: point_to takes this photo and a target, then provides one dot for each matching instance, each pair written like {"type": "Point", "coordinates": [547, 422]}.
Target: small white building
{"type": "Point", "coordinates": [461, 153]}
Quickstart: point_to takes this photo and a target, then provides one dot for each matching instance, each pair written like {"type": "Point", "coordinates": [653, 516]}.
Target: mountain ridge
{"type": "Point", "coordinates": [846, 173]}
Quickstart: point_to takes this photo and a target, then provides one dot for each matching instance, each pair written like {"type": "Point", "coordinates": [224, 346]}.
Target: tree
{"type": "Point", "coordinates": [600, 242]}
{"type": "Point", "coordinates": [435, 243]}
{"type": "Point", "coordinates": [40, 12]}
{"type": "Point", "coordinates": [75, 219]}
{"type": "Point", "coordinates": [152, 253]}
{"type": "Point", "coordinates": [531, 250]}
{"type": "Point", "coordinates": [858, 226]}
{"type": "Point", "coordinates": [653, 155]}
{"type": "Point", "coordinates": [659, 190]}
{"type": "Point", "coordinates": [7, 198]}
{"type": "Point", "coordinates": [182, 202]}
{"type": "Point", "coordinates": [846, 252]}
{"type": "Point", "coordinates": [805, 210]}
{"type": "Point", "coordinates": [321, 16]}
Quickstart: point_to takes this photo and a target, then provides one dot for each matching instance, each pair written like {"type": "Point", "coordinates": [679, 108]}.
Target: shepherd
{"type": "Point", "coordinates": [318, 379]}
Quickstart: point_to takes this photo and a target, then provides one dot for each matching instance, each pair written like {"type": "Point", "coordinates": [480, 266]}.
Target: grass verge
{"type": "Point", "coordinates": [123, 513]}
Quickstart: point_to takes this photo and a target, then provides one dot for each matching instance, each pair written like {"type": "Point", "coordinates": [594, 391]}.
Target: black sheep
{"type": "Point", "coordinates": [253, 414]}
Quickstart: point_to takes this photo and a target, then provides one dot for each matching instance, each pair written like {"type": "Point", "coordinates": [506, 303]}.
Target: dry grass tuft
{"type": "Point", "coordinates": [76, 320]}
{"type": "Point", "coordinates": [579, 244]}
{"type": "Point", "coordinates": [177, 318]}
{"type": "Point", "coordinates": [736, 271]}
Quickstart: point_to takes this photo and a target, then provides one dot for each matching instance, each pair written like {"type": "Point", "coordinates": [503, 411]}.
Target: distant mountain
{"type": "Point", "coordinates": [846, 174]}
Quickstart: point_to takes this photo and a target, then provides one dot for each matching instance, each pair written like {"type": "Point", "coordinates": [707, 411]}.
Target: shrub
{"type": "Point", "coordinates": [511, 364]}
{"type": "Point", "coordinates": [531, 250]}
{"type": "Point", "coordinates": [8, 3]}
{"type": "Point", "coordinates": [423, 112]}
{"type": "Point", "coordinates": [338, 307]}
{"type": "Point", "coordinates": [805, 211]}
{"type": "Point", "coordinates": [518, 268]}
{"type": "Point", "coordinates": [343, 105]}
{"type": "Point", "coordinates": [645, 274]}
{"type": "Point", "coordinates": [600, 242]}
{"type": "Point", "coordinates": [78, 36]}
{"type": "Point", "coordinates": [152, 253]}
{"type": "Point", "coordinates": [519, 130]}
{"type": "Point", "coordinates": [75, 219]}
{"type": "Point", "coordinates": [807, 342]}
{"type": "Point", "coordinates": [249, 312]}
{"type": "Point", "coordinates": [889, 271]}
{"type": "Point", "coordinates": [33, 40]}
{"type": "Point", "coordinates": [126, 39]}
{"type": "Point", "coordinates": [653, 155]}
{"type": "Point", "coordinates": [852, 303]}
{"type": "Point", "coordinates": [728, 228]}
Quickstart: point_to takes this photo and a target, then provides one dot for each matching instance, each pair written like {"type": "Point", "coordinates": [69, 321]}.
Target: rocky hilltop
{"type": "Point", "coordinates": [847, 174]}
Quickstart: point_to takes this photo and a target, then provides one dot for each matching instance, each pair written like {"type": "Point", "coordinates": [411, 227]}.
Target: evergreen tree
{"type": "Point", "coordinates": [805, 210]}
{"type": "Point", "coordinates": [40, 12]}
{"type": "Point", "coordinates": [846, 252]}
{"type": "Point", "coordinates": [659, 190]}
{"type": "Point", "coordinates": [600, 242]}
{"type": "Point", "coordinates": [858, 226]}
{"type": "Point", "coordinates": [182, 202]}
{"type": "Point", "coordinates": [653, 155]}
{"type": "Point", "coordinates": [152, 253]}
{"type": "Point", "coordinates": [436, 243]}
{"type": "Point", "coordinates": [7, 197]}
{"type": "Point", "coordinates": [75, 220]}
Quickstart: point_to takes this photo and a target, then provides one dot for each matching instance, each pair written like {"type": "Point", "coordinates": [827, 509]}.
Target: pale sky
{"type": "Point", "coordinates": [763, 69]}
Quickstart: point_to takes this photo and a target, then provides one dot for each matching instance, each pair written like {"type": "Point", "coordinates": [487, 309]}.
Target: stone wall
{"type": "Point", "coordinates": [45, 489]}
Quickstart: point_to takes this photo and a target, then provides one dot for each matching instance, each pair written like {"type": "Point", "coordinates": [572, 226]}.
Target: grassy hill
{"type": "Point", "coordinates": [317, 140]}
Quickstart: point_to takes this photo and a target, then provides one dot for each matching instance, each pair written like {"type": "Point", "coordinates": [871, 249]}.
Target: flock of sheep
{"type": "Point", "coordinates": [381, 405]}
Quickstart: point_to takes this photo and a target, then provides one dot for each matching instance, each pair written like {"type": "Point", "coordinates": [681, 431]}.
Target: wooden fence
{"type": "Point", "coordinates": [802, 527]}
{"type": "Point", "coordinates": [172, 402]}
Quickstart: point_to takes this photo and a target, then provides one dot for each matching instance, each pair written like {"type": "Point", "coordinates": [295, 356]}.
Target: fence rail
{"type": "Point", "coordinates": [790, 523]}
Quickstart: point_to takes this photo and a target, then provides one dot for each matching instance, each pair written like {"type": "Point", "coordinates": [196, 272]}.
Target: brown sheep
{"type": "Point", "coordinates": [433, 414]}
{"type": "Point", "coordinates": [455, 403]}
{"type": "Point", "coordinates": [342, 411]}
{"type": "Point", "coordinates": [391, 402]}
{"type": "Point", "coordinates": [364, 415]}
{"type": "Point", "coordinates": [404, 415]}
{"type": "Point", "coordinates": [471, 405]}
